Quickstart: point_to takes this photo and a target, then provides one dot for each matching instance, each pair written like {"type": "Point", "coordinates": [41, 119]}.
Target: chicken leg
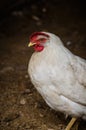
{"type": "Point", "coordinates": [71, 123]}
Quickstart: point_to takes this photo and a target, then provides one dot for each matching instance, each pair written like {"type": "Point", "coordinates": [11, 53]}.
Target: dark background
{"type": "Point", "coordinates": [21, 107]}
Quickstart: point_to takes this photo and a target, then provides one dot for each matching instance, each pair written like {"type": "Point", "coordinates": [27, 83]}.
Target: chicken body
{"type": "Point", "coordinates": [60, 77]}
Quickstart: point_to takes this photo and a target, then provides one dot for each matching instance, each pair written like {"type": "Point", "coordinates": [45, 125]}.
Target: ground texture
{"type": "Point", "coordinates": [21, 107]}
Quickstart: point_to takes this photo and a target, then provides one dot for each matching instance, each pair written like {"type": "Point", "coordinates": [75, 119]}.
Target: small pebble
{"type": "Point", "coordinates": [17, 13]}
{"type": "Point", "coordinates": [23, 101]}
{"type": "Point", "coordinates": [69, 43]}
{"type": "Point", "coordinates": [27, 91]}
{"type": "Point", "coordinates": [44, 10]}
{"type": "Point", "coordinates": [41, 115]}
{"type": "Point", "coordinates": [35, 18]}
{"type": "Point", "coordinates": [7, 69]}
{"type": "Point", "coordinates": [26, 76]}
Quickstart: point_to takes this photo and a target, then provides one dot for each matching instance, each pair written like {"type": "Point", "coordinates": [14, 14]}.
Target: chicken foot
{"type": "Point", "coordinates": [71, 123]}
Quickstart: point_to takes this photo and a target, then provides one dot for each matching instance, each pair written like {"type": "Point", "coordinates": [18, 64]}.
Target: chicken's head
{"type": "Point", "coordinates": [38, 40]}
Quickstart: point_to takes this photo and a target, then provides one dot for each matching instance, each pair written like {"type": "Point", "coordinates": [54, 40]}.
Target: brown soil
{"type": "Point", "coordinates": [21, 107]}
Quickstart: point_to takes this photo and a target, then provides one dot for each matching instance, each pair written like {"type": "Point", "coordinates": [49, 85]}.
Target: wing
{"type": "Point", "coordinates": [79, 68]}
{"type": "Point", "coordinates": [73, 83]}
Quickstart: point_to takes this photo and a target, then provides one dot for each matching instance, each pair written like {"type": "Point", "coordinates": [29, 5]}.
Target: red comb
{"type": "Point", "coordinates": [38, 33]}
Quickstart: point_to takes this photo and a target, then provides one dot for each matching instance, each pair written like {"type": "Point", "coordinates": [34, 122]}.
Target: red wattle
{"type": "Point", "coordinates": [38, 48]}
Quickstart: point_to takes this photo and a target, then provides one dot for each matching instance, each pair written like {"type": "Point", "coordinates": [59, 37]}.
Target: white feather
{"type": "Point", "coordinates": [60, 77]}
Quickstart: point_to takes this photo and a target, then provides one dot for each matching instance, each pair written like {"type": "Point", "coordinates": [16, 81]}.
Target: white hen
{"type": "Point", "coordinates": [58, 75]}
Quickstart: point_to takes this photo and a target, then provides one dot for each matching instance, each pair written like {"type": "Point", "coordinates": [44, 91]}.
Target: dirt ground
{"type": "Point", "coordinates": [21, 106]}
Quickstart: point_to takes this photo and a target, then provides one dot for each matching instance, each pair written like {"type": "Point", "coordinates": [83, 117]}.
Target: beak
{"type": "Point", "coordinates": [31, 44]}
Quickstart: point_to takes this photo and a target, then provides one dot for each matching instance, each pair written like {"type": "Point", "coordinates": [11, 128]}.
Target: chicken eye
{"type": "Point", "coordinates": [42, 39]}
